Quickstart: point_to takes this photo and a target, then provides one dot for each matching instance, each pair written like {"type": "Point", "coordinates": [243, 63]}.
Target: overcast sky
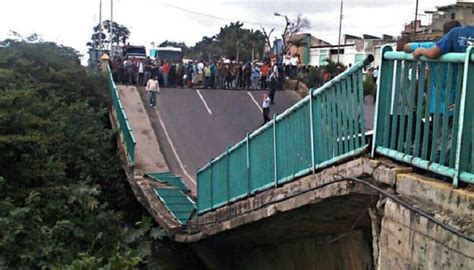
{"type": "Point", "coordinates": [70, 22]}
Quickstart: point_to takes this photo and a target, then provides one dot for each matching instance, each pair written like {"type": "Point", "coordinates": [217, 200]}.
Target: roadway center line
{"type": "Point", "coordinates": [204, 101]}
{"type": "Point", "coordinates": [173, 148]}
{"type": "Point", "coordinates": [255, 101]}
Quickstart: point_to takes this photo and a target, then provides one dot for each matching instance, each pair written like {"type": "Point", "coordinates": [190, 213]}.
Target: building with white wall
{"type": "Point", "coordinates": [353, 50]}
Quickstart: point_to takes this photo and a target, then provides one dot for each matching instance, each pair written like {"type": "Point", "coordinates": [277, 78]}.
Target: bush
{"type": "Point", "coordinates": [313, 77]}
{"type": "Point", "coordinates": [370, 88]}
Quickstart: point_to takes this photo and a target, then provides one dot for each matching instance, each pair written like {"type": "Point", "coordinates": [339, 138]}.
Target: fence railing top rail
{"type": "Point", "coordinates": [114, 87]}
{"type": "Point", "coordinates": [446, 58]}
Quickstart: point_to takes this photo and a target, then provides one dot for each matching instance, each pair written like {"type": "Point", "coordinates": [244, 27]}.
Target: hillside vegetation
{"type": "Point", "coordinates": [63, 194]}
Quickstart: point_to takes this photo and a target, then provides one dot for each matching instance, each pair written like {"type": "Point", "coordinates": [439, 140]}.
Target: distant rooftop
{"type": "Point", "coordinates": [458, 3]}
{"type": "Point", "coordinates": [365, 36]}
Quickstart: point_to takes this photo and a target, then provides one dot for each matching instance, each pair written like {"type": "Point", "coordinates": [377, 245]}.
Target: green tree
{"type": "Point", "coordinates": [101, 37]}
{"type": "Point", "coordinates": [332, 67]}
{"type": "Point", "coordinates": [61, 181]}
{"type": "Point", "coordinates": [232, 42]}
{"type": "Point", "coordinates": [120, 33]}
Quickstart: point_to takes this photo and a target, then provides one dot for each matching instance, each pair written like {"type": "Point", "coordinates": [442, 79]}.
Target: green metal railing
{"type": "Point", "coordinates": [424, 112]}
{"type": "Point", "coordinates": [126, 134]}
{"type": "Point", "coordinates": [322, 129]}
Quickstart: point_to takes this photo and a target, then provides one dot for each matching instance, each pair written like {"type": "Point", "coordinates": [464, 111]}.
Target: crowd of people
{"type": "Point", "coordinates": [216, 74]}
{"type": "Point", "coordinates": [204, 74]}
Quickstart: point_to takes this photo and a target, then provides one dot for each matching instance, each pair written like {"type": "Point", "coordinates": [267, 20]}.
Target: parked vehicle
{"type": "Point", "coordinates": [130, 51]}
{"type": "Point", "coordinates": [167, 53]}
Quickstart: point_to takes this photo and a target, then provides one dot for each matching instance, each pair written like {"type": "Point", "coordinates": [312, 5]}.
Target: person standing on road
{"type": "Point", "coordinates": [273, 78]}
{"type": "Point", "coordinates": [165, 69]}
{"type": "Point", "coordinates": [141, 72]}
{"type": "Point", "coordinates": [172, 75]}
{"type": "Point", "coordinates": [200, 74]}
{"type": "Point", "coordinates": [221, 73]}
{"type": "Point", "coordinates": [153, 88]}
{"type": "Point", "coordinates": [181, 74]}
{"type": "Point", "coordinates": [264, 76]}
{"type": "Point", "coordinates": [294, 61]}
{"type": "Point", "coordinates": [287, 65]}
{"type": "Point", "coordinates": [207, 76]}
{"type": "Point", "coordinates": [193, 74]}
{"type": "Point", "coordinates": [213, 74]}
{"type": "Point", "coordinates": [247, 75]}
{"type": "Point", "coordinates": [229, 77]}
{"type": "Point", "coordinates": [255, 76]}
{"type": "Point", "coordinates": [266, 108]}
{"type": "Point", "coordinates": [148, 67]}
{"type": "Point", "coordinates": [129, 68]}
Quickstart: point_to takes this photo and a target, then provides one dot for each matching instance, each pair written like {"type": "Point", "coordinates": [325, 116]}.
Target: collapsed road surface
{"type": "Point", "coordinates": [194, 126]}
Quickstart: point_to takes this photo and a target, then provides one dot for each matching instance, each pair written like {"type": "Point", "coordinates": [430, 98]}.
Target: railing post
{"type": "Point", "coordinates": [384, 90]}
{"type": "Point", "coordinates": [311, 128]}
{"type": "Point", "coordinates": [275, 151]}
{"type": "Point", "coordinates": [249, 187]}
{"type": "Point", "coordinates": [227, 175]}
{"type": "Point", "coordinates": [464, 111]}
{"type": "Point", "coordinates": [211, 195]}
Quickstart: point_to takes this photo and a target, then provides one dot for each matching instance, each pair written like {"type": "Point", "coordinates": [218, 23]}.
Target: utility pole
{"type": "Point", "coordinates": [100, 26]}
{"type": "Point", "coordinates": [111, 28]}
{"type": "Point", "coordinates": [416, 18]}
{"type": "Point", "coordinates": [340, 26]}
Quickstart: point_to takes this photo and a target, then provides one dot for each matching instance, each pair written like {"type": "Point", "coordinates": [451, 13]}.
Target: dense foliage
{"type": "Point", "coordinates": [233, 42]}
{"type": "Point", "coordinates": [62, 188]}
{"type": "Point", "coordinates": [119, 33]}
{"type": "Point", "coordinates": [370, 88]}
{"type": "Point", "coordinates": [313, 77]}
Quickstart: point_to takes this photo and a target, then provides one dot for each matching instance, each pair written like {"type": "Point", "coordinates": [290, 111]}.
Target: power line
{"type": "Point", "coordinates": [218, 18]}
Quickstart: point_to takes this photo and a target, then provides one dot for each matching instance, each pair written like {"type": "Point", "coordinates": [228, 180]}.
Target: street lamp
{"type": "Point", "coordinates": [286, 29]}
{"type": "Point", "coordinates": [284, 16]}
{"type": "Point", "coordinates": [340, 26]}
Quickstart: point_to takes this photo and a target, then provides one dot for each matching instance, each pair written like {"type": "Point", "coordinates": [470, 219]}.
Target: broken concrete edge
{"type": "Point", "coordinates": [386, 173]}
{"type": "Point", "coordinates": [142, 188]}
{"type": "Point", "coordinates": [291, 195]}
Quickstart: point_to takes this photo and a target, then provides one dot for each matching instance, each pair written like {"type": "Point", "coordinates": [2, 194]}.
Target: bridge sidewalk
{"type": "Point", "coordinates": [148, 157]}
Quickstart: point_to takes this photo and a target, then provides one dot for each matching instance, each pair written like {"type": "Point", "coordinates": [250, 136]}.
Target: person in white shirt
{"type": "Point", "coordinates": [153, 88]}
{"type": "Point", "coordinates": [141, 72]}
{"type": "Point", "coordinates": [200, 73]}
{"type": "Point", "coordinates": [273, 78]}
{"type": "Point", "coordinates": [294, 65]}
{"type": "Point", "coordinates": [266, 108]}
{"type": "Point", "coordinates": [375, 73]}
{"type": "Point", "coordinates": [287, 64]}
